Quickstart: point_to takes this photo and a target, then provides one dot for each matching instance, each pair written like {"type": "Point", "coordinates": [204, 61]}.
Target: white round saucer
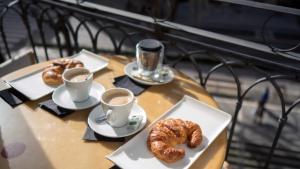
{"type": "Point", "coordinates": [62, 98]}
{"type": "Point", "coordinates": [132, 66]}
{"type": "Point", "coordinates": [103, 128]}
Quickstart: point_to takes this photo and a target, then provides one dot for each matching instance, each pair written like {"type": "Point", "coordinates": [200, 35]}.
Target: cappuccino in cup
{"type": "Point", "coordinates": [117, 104]}
{"type": "Point", "coordinates": [118, 99]}
{"type": "Point", "coordinates": [78, 82]}
{"type": "Point", "coordinates": [80, 77]}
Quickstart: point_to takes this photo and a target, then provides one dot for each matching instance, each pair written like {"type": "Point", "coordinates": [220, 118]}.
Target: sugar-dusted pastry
{"type": "Point", "coordinates": [166, 134]}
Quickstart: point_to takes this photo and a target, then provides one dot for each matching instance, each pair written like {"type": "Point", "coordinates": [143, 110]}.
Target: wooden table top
{"type": "Point", "coordinates": [51, 142]}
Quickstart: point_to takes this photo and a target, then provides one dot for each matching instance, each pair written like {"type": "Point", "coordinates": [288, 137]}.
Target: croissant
{"type": "Point", "coordinates": [52, 74]}
{"type": "Point", "coordinates": [166, 134]}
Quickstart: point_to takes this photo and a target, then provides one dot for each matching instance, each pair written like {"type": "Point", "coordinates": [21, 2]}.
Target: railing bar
{"type": "Point", "coordinates": [281, 160]}
{"type": "Point", "coordinates": [235, 54]}
{"type": "Point", "coordinates": [235, 142]}
{"type": "Point", "coordinates": [270, 7]}
{"type": "Point", "coordinates": [4, 40]}
{"type": "Point", "coordinates": [264, 152]}
{"type": "Point", "coordinates": [181, 27]}
{"type": "Point", "coordinates": [104, 17]}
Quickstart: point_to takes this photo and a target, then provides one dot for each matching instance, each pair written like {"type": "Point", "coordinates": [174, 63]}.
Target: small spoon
{"type": "Point", "coordinates": [88, 76]}
{"type": "Point", "coordinates": [100, 119]}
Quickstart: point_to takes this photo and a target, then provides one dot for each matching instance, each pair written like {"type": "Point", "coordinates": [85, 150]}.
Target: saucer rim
{"type": "Point", "coordinates": [129, 74]}
{"type": "Point", "coordinates": [128, 133]}
{"type": "Point", "coordinates": [74, 108]}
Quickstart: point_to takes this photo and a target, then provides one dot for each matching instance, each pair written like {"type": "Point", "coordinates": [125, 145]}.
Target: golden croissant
{"type": "Point", "coordinates": [52, 74]}
{"type": "Point", "coordinates": [166, 134]}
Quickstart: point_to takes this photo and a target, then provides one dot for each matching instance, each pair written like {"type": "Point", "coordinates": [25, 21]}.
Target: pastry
{"type": "Point", "coordinates": [52, 74]}
{"type": "Point", "coordinates": [166, 134]}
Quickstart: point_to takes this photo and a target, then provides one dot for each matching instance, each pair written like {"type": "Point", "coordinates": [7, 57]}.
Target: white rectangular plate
{"type": "Point", "coordinates": [135, 154]}
{"type": "Point", "coordinates": [33, 87]}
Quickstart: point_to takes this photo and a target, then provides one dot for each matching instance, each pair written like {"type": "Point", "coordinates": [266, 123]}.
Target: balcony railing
{"type": "Point", "coordinates": [66, 21]}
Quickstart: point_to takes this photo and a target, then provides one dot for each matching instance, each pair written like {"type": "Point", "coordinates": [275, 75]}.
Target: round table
{"type": "Point", "coordinates": [52, 142]}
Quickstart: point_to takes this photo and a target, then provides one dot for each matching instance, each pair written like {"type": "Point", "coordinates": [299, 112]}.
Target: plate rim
{"type": "Point", "coordinates": [145, 82]}
{"type": "Point", "coordinates": [70, 108]}
{"type": "Point", "coordinates": [83, 51]}
{"type": "Point", "coordinates": [11, 84]}
{"type": "Point", "coordinates": [141, 127]}
{"type": "Point", "coordinates": [225, 124]}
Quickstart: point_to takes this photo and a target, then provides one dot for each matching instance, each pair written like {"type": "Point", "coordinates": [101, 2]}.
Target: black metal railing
{"type": "Point", "coordinates": [121, 29]}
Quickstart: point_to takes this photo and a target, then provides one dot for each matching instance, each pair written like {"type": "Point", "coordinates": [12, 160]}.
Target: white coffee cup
{"type": "Point", "coordinates": [78, 90]}
{"type": "Point", "coordinates": [116, 107]}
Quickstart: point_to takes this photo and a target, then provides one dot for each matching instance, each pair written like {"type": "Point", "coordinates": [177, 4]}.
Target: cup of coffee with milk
{"type": "Point", "coordinates": [78, 82]}
{"type": "Point", "coordinates": [117, 104]}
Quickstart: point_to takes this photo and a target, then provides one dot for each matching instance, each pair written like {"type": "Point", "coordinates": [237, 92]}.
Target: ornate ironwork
{"type": "Point", "coordinates": [123, 31]}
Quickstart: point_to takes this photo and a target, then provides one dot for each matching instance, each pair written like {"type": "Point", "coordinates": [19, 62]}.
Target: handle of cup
{"type": "Point", "coordinates": [109, 115]}
{"type": "Point", "coordinates": [135, 100]}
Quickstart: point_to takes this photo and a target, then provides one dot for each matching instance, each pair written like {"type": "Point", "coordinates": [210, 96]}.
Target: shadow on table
{"type": "Point", "coordinates": [19, 141]}
{"type": "Point", "coordinates": [3, 161]}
